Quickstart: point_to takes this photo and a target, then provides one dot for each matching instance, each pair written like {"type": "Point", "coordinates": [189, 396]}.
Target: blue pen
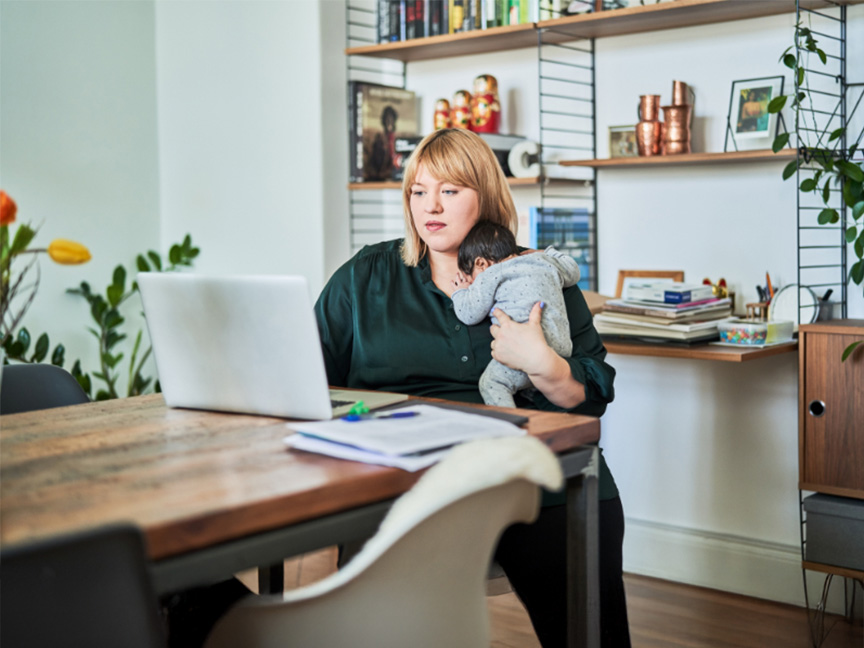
{"type": "Point", "coordinates": [365, 417]}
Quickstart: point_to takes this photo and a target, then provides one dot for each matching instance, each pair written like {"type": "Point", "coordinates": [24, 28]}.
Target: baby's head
{"type": "Point", "coordinates": [485, 244]}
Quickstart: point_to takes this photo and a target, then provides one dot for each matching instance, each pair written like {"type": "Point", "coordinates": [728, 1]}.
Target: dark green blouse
{"type": "Point", "coordinates": [387, 326]}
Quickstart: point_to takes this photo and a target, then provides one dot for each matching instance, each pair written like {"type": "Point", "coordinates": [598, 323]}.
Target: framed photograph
{"type": "Point", "coordinates": [749, 124]}
{"type": "Point", "coordinates": [626, 277]}
{"type": "Point", "coordinates": [622, 142]}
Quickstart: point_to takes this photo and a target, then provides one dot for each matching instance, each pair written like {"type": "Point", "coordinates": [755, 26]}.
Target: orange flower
{"type": "Point", "coordinates": [68, 252]}
{"type": "Point", "coordinates": [8, 208]}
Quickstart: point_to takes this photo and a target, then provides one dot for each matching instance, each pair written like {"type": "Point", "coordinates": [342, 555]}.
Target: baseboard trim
{"type": "Point", "coordinates": [728, 563]}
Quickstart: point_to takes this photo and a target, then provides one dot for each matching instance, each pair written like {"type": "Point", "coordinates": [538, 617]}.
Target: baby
{"type": "Point", "coordinates": [501, 278]}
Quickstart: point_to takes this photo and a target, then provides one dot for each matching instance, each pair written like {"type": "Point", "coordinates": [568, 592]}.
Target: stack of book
{"type": "Point", "coordinates": [664, 312]}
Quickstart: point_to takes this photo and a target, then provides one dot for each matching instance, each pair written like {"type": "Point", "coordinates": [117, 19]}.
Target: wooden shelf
{"type": "Point", "coordinates": [697, 352]}
{"type": "Point", "coordinates": [495, 39]}
{"type": "Point", "coordinates": [617, 22]}
{"type": "Point", "coordinates": [669, 15]}
{"type": "Point", "coordinates": [513, 182]}
{"type": "Point", "coordinates": [832, 569]}
{"type": "Point", "coordinates": [766, 155]}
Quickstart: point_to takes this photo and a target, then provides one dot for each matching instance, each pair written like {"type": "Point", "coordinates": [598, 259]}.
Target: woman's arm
{"type": "Point", "coordinates": [586, 386]}
{"type": "Point", "coordinates": [524, 347]}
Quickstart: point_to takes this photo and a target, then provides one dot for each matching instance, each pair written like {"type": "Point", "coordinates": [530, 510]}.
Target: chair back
{"type": "Point", "coordinates": [28, 387]}
{"type": "Point", "coordinates": [420, 581]}
{"type": "Point", "coordinates": [85, 589]}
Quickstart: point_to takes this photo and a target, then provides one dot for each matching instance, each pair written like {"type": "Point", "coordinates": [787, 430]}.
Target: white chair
{"type": "Point", "coordinates": [421, 579]}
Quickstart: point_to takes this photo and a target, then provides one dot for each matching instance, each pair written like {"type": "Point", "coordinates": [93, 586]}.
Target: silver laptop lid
{"type": "Point", "coordinates": [237, 344]}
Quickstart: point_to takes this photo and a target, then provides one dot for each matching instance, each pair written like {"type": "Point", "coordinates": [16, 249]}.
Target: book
{"type": "Point", "coordinates": [697, 316]}
{"type": "Point", "coordinates": [606, 329]}
{"type": "Point", "coordinates": [667, 292]}
{"type": "Point", "coordinates": [378, 115]}
{"type": "Point", "coordinates": [669, 311]}
{"type": "Point", "coordinates": [684, 327]}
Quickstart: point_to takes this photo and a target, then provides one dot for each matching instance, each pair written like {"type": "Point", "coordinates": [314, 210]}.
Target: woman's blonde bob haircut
{"type": "Point", "coordinates": [462, 158]}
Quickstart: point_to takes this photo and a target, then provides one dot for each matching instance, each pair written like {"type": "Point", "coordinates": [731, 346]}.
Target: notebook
{"type": "Point", "coordinates": [245, 344]}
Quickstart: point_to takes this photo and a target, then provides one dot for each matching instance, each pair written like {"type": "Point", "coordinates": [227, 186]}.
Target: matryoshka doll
{"type": "Point", "coordinates": [460, 113]}
{"type": "Point", "coordinates": [442, 114]}
{"type": "Point", "coordinates": [485, 109]}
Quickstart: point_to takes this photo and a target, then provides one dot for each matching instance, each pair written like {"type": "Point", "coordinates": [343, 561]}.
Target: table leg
{"type": "Point", "coordinates": [271, 580]}
{"type": "Point", "coordinates": [583, 590]}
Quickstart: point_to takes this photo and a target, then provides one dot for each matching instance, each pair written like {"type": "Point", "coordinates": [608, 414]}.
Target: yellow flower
{"type": "Point", "coordinates": [68, 252]}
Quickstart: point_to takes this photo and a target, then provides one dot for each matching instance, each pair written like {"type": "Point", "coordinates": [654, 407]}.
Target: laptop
{"type": "Point", "coordinates": [246, 344]}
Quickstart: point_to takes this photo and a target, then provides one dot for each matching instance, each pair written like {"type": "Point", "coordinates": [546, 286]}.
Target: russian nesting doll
{"type": "Point", "coordinates": [485, 109]}
{"type": "Point", "coordinates": [442, 114]}
{"type": "Point", "coordinates": [460, 113]}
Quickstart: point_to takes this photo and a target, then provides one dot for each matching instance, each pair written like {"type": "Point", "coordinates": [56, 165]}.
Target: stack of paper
{"type": "Point", "coordinates": [664, 311]}
{"type": "Point", "coordinates": [410, 443]}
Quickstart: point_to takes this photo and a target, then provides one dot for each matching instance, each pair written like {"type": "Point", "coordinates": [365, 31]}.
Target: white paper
{"type": "Point", "coordinates": [387, 440]}
{"type": "Point", "coordinates": [411, 463]}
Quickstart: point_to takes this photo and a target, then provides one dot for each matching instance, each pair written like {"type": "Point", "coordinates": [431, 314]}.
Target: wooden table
{"type": "Point", "coordinates": [218, 493]}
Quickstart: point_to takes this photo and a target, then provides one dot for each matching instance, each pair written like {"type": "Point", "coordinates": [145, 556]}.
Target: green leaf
{"type": "Point", "coordinates": [102, 395]}
{"type": "Point", "coordinates": [59, 355]}
{"type": "Point", "coordinates": [851, 234]}
{"type": "Point", "coordinates": [115, 294]}
{"type": "Point", "coordinates": [838, 132]}
{"type": "Point", "coordinates": [800, 76]}
{"type": "Point", "coordinates": [112, 319]}
{"type": "Point", "coordinates": [16, 350]}
{"type": "Point", "coordinates": [777, 103]}
{"type": "Point", "coordinates": [23, 339]}
{"type": "Point", "coordinates": [142, 264]}
{"type": "Point", "coordinates": [174, 254]}
{"type": "Point", "coordinates": [23, 235]}
{"type": "Point", "coordinates": [41, 350]}
{"type": "Point", "coordinates": [119, 278]}
{"type": "Point", "coordinates": [851, 170]}
{"type": "Point", "coordinates": [857, 210]}
{"type": "Point", "coordinates": [822, 56]}
{"type": "Point", "coordinates": [86, 385]}
{"type": "Point", "coordinates": [828, 216]}
{"type": "Point", "coordinates": [859, 248]}
{"type": "Point", "coordinates": [856, 274]}
{"type": "Point", "coordinates": [809, 184]}
{"type": "Point", "coordinates": [780, 141]}
{"type": "Point", "coordinates": [790, 169]}
{"type": "Point", "coordinates": [187, 243]}
{"type": "Point", "coordinates": [826, 192]}
{"type": "Point", "coordinates": [850, 349]}
{"type": "Point", "coordinates": [788, 60]}
{"type": "Point", "coordinates": [156, 259]}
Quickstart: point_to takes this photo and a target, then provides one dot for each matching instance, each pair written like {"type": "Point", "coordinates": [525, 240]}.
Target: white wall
{"type": "Point", "coordinates": [78, 146]}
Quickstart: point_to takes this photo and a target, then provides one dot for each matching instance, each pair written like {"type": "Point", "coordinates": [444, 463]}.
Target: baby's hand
{"type": "Point", "coordinates": [460, 282]}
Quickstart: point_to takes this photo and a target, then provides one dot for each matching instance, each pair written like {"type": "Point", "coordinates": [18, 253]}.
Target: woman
{"type": "Point", "coordinates": [387, 322]}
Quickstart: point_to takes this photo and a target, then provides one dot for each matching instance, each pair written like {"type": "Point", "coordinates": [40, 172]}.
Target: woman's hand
{"type": "Point", "coordinates": [460, 282]}
{"type": "Point", "coordinates": [523, 347]}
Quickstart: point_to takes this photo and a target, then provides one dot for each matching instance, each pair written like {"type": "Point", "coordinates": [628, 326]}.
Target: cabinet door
{"type": "Point", "coordinates": [833, 452]}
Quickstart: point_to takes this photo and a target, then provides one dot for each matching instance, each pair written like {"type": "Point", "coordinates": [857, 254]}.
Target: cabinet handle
{"type": "Point", "coordinates": [817, 408]}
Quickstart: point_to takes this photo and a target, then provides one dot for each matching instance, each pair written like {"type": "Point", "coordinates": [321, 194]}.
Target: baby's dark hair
{"type": "Point", "coordinates": [486, 240]}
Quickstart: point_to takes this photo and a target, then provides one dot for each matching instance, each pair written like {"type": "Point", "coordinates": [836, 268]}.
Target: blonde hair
{"type": "Point", "coordinates": [462, 158]}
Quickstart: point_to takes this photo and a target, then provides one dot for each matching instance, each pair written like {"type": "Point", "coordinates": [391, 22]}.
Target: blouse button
{"type": "Point", "coordinates": [464, 358]}
{"type": "Point", "coordinates": [458, 327]}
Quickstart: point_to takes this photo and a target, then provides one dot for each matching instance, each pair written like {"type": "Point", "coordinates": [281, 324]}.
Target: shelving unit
{"type": "Point", "coordinates": [584, 29]}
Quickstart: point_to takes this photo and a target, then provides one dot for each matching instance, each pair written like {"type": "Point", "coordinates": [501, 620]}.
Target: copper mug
{"type": "Point", "coordinates": [682, 94]}
{"type": "Point", "coordinates": [676, 138]}
{"type": "Point", "coordinates": [649, 108]}
{"type": "Point", "coordinates": [649, 137]}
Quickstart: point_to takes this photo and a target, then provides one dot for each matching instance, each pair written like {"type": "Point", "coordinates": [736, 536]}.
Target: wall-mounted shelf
{"type": "Point", "coordinates": [617, 22]}
{"type": "Point", "coordinates": [697, 352]}
{"type": "Point", "coordinates": [766, 155]}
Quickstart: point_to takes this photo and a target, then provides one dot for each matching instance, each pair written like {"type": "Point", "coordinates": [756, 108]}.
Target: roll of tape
{"type": "Point", "coordinates": [524, 160]}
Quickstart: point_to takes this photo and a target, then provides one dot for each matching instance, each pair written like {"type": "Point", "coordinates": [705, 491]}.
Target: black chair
{"type": "Point", "coordinates": [28, 387]}
{"type": "Point", "coordinates": [86, 589]}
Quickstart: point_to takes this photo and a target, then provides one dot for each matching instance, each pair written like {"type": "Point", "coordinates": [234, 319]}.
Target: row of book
{"type": "Point", "coordinates": [400, 20]}
{"type": "Point", "coordinates": [652, 311]}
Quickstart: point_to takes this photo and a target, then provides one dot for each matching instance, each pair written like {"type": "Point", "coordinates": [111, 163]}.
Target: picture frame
{"type": "Point", "coordinates": [622, 142]}
{"type": "Point", "coordinates": [749, 125]}
{"type": "Point", "coordinates": [626, 277]}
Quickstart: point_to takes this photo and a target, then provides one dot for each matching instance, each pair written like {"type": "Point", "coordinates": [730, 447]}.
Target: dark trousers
{"type": "Point", "coordinates": [534, 559]}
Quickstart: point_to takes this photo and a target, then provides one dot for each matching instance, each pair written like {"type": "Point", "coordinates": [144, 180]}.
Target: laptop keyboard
{"type": "Point", "coordinates": [340, 403]}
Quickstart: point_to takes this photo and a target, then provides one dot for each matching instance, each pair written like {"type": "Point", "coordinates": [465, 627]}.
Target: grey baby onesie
{"type": "Point", "coordinates": [515, 286]}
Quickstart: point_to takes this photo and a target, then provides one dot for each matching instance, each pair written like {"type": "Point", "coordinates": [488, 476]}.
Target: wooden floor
{"type": "Point", "coordinates": [662, 615]}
